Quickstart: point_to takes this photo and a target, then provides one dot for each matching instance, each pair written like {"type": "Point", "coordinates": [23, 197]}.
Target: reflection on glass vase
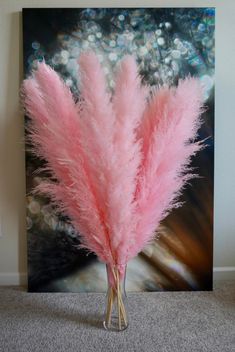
{"type": "Point", "coordinates": [115, 317]}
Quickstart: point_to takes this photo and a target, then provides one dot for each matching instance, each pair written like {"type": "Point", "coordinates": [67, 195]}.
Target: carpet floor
{"type": "Point", "coordinates": [158, 322]}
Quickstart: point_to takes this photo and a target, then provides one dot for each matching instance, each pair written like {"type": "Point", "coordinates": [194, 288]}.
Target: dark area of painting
{"type": "Point", "coordinates": [168, 44]}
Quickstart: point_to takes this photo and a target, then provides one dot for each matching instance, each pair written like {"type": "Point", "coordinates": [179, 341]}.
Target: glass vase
{"type": "Point", "coordinates": [115, 316]}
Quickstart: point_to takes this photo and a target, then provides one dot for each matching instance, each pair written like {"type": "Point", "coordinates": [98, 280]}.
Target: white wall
{"type": "Point", "coordinates": [12, 177]}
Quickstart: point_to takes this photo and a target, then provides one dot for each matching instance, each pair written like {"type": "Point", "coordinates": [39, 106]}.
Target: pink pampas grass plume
{"type": "Point", "coordinates": [168, 132]}
{"type": "Point", "coordinates": [56, 136]}
{"type": "Point", "coordinates": [109, 144]}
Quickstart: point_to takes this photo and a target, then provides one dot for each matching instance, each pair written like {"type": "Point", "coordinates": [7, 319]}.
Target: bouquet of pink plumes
{"type": "Point", "coordinates": [120, 161]}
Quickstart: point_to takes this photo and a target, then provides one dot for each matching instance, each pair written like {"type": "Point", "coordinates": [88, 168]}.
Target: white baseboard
{"type": "Point", "coordinates": [224, 273]}
{"type": "Point", "coordinates": [16, 279]}
{"type": "Point", "coordinates": [13, 279]}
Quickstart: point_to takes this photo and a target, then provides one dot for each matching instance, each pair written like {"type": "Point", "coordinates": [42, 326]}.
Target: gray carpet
{"type": "Point", "coordinates": [159, 322]}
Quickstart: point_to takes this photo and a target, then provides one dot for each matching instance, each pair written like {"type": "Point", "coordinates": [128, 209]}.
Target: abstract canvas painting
{"type": "Point", "coordinates": [168, 44]}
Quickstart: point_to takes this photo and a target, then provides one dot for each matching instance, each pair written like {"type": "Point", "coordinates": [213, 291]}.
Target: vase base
{"type": "Point", "coordinates": [114, 326]}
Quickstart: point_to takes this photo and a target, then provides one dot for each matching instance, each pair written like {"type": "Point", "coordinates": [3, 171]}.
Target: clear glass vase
{"type": "Point", "coordinates": [115, 316]}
